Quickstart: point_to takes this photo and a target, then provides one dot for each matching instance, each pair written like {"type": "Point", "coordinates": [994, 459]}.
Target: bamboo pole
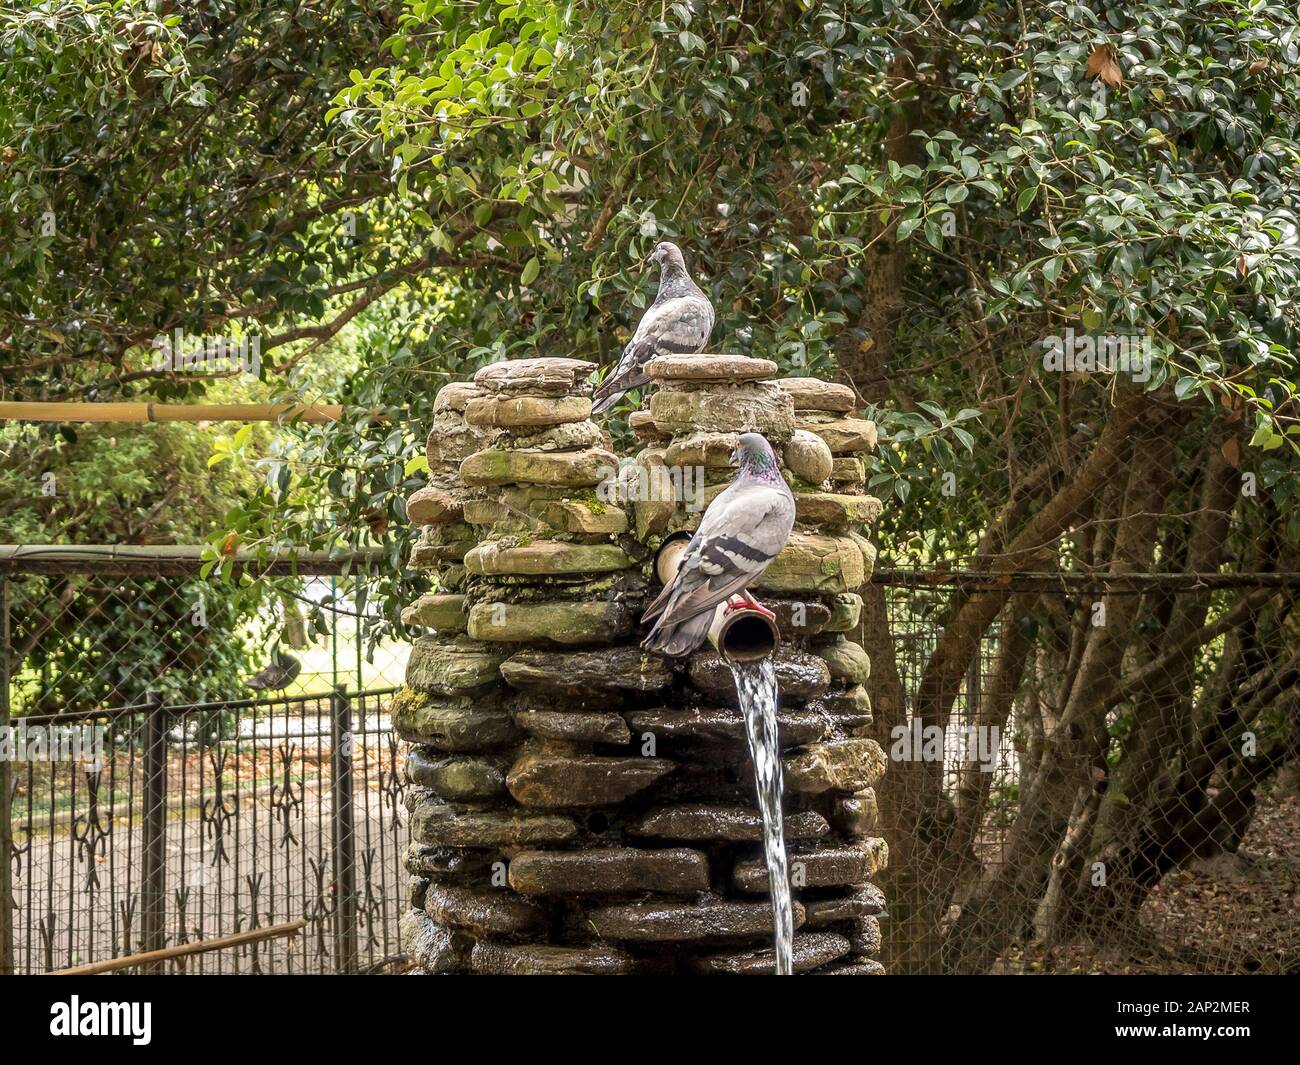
{"type": "Point", "coordinates": [171, 412]}
{"type": "Point", "coordinates": [129, 559]}
{"type": "Point", "coordinates": [199, 946]}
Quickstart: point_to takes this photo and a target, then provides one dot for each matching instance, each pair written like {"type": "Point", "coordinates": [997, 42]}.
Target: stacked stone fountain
{"type": "Point", "coordinates": [578, 805]}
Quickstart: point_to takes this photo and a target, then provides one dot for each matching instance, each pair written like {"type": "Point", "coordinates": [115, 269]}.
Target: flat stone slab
{"type": "Point", "coordinates": [808, 952]}
{"type": "Point", "coordinates": [484, 912]}
{"type": "Point", "coordinates": [800, 675]}
{"type": "Point", "coordinates": [441, 824]}
{"type": "Point", "coordinates": [545, 376]}
{"type": "Point", "coordinates": [432, 506]}
{"type": "Point", "coordinates": [456, 396]}
{"type": "Point", "coordinates": [726, 724]}
{"type": "Point", "coordinates": [504, 959]}
{"type": "Point", "coordinates": [841, 435]}
{"type": "Point", "coordinates": [543, 557]}
{"type": "Point", "coordinates": [799, 618]}
{"type": "Point", "coordinates": [840, 765]}
{"type": "Point", "coordinates": [566, 623]}
{"type": "Point", "coordinates": [583, 673]}
{"type": "Point", "coordinates": [445, 613]}
{"type": "Point", "coordinates": [526, 412]}
{"type": "Point", "coordinates": [741, 408]}
{"type": "Point", "coordinates": [455, 723]}
{"type": "Point", "coordinates": [850, 471]}
{"type": "Point", "coordinates": [610, 871]}
{"type": "Point", "coordinates": [643, 427]}
{"type": "Point", "coordinates": [568, 436]}
{"type": "Point", "coordinates": [451, 439]}
{"type": "Point", "coordinates": [836, 511]}
{"type": "Point", "coordinates": [578, 726]}
{"type": "Point", "coordinates": [568, 512]}
{"type": "Point", "coordinates": [449, 668]}
{"type": "Point", "coordinates": [851, 707]}
{"type": "Point", "coordinates": [812, 393]}
{"type": "Point", "coordinates": [666, 922]}
{"type": "Point", "coordinates": [814, 563]}
{"type": "Point", "coordinates": [711, 450]}
{"type": "Point", "coordinates": [857, 967]}
{"type": "Point", "coordinates": [461, 779]}
{"type": "Point", "coordinates": [866, 901]}
{"type": "Point", "coordinates": [732, 824]}
{"type": "Point", "coordinates": [449, 864]}
{"type": "Point", "coordinates": [818, 866]}
{"type": "Point", "coordinates": [563, 469]}
{"type": "Point", "coordinates": [709, 367]}
{"type": "Point", "coordinates": [807, 457]}
{"type": "Point", "coordinates": [559, 780]}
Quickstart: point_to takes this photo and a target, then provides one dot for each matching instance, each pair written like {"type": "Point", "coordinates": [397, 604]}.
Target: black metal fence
{"type": "Point", "coordinates": [155, 799]}
{"type": "Point", "coordinates": [159, 824]}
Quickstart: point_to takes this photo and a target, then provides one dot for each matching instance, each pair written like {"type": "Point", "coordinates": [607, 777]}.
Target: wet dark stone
{"type": "Point", "coordinates": [490, 910]}
{"type": "Point", "coordinates": [727, 725]}
{"type": "Point", "coordinates": [455, 723]}
{"type": "Point", "coordinates": [822, 866]}
{"type": "Point", "coordinates": [857, 815]}
{"type": "Point", "coordinates": [851, 707]}
{"type": "Point", "coordinates": [449, 864]}
{"type": "Point", "coordinates": [809, 951]}
{"type": "Point", "coordinates": [556, 780]}
{"type": "Point", "coordinates": [864, 935]}
{"type": "Point", "coordinates": [866, 901]}
{"type": "Point", "coordinates": [497, 959]}
{"type": "Point", "coordinates": [854, 968]}
{"type": "Point", "coordinates": [459, 778]}
{"type": "Point", "coordinates": [576, 725]}
{"type": "Point", "coordinates": [839, 765]}
{"type": "Point", "coordinates": [798, 618]}
{"type": "Point", "coordinates": [610, 871]}
{"type": "Point", "coordinates": [668, 922]}
{"type": "Point", "coordinates": [586, 674]}
{"type": "Point", "coordinates": [416, 887]}
{"type": "Point", "coordinates": [434, 948]}
{"type": "Point", "coordinates": [736, 824]}
{"type": "Point", "coordinates": [436, 822]}
{"type": "Point", "coordinates": [799, 674]}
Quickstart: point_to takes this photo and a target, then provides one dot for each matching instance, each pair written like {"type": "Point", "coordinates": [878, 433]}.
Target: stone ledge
{"type": "Point", "coordinates": [707, 367]}
{"type": "Point", "coordinates": [493, 467]}
{"type": "Point", "coordinates": [545, 557]}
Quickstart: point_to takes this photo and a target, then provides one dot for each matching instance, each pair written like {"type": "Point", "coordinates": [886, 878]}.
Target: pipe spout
{"type": "Point", "coordinates": [739, 633]}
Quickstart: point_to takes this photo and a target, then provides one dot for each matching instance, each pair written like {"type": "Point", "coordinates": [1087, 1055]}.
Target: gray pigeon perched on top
{"type": "Point", "coordinates": [677, 323]}
{"type": "Point", "coordinates": [742, 530]}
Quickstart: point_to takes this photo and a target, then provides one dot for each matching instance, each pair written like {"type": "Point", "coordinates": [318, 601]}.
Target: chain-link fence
{"type": "Point", "coordinates": [191, 761]}
{"type": "Point", "coordinates": [1100, 780]}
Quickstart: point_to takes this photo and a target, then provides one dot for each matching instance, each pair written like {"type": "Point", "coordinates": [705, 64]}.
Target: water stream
{"type": "Point", "coordinates": [756, 686]}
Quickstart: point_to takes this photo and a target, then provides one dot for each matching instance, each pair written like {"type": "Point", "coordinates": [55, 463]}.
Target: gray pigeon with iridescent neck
{"type": "Point", "coordinates": [677, 323]}
{"type": "Point", "coordinates": [743, 529]}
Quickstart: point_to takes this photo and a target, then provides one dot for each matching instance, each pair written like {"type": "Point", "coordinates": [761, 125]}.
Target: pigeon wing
{"type": "Point", "coordinates": [742, 531]}
{"type": "Point", "coordinates": [679, 325]}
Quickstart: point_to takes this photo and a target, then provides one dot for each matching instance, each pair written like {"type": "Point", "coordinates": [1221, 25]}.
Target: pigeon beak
{"type": "Point", "coordinates": [735, 457]}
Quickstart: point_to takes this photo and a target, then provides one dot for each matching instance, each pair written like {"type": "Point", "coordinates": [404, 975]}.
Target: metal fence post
{"type": "Point", "coordinates": [344, 831]}
{"type": "Point", "coordinates": [6, 792]}
{"type": "Point", "coordinates": [153, 887]}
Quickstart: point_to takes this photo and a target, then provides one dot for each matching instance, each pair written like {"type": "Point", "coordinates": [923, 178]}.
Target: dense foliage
{"type": "Point", "coordinates": [927, 200]}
